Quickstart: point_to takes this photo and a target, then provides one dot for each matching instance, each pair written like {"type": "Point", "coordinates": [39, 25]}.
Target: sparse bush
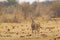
{"type": "Point", "coordinates": [56, 9]}
{"type": "Point", "coordinates": [12, 1]}
{"type": "Point", "coordinates": [16, 13]}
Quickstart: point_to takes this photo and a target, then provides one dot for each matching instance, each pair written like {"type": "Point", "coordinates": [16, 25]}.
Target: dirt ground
{"type": "Point", "coordinates": [29, 38]}
{"type": "Point", "coordinates": [25, 39]}
{"type": "Point", "coordinates": [48, 31]}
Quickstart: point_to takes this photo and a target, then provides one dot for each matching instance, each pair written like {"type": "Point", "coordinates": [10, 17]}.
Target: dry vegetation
{"type": "Point", "coordinates": [37, 18]}
{"type": "Point", "coordinates": [17, 12]}
{"type": "Point", "coordinates": [23, 11]}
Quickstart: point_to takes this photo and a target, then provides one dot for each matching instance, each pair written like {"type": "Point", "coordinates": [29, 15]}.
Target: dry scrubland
{"type": "Point", "coordinates": [22, 31]}
{"type": "Point", "coordinates": [16, 21]}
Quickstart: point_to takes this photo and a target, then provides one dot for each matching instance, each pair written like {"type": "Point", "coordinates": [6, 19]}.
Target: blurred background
{"type": "Point", "coordinates": [18, 10]}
